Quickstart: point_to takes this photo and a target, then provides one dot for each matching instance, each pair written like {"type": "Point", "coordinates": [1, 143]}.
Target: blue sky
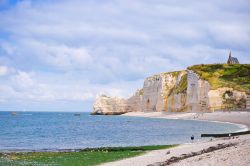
{"type": "Point", "coordinates": [59, 55]}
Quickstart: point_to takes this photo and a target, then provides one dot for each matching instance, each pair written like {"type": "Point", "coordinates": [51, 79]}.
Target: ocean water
{"type": "Point", "coordinates": [39, 131]}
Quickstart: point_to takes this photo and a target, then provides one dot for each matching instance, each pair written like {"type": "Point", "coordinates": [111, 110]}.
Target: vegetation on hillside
{"type": "Point", "coordinates": [235, 76]}
{"type": "Point", "coordinates": [173, 73]}
{"type": "Point", "coordinates": [182, 86]}
{"type": "Point", "coordinates": [84, 157]}
{"type": "Point", "coordinates": [140, 91]}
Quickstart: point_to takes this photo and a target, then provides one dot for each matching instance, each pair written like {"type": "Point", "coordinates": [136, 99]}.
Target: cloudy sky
{"type": "Point", "coordinates": [59, 55]}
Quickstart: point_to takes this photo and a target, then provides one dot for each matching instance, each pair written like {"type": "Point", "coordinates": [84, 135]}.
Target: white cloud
{"type": "Point", "coordinates": [64, 56]}
{"type": "Point", "coordinates": [23, 86]}
{"type": "Point", "coordinates": [23, 80]}
{"type": "Point", "coordinates": [3, 70]}
{"type": "Point", "coordinates": [234, 34]}
{"type": "Point", "coordinates": [74, 50]}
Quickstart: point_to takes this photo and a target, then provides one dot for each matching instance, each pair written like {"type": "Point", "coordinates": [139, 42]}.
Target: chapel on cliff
{"type": "Point", "coordinates": [232, 60]}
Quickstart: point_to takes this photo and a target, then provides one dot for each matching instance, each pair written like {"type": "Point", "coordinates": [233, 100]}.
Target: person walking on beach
{"type": "Point", "coordinates": [192, 138]}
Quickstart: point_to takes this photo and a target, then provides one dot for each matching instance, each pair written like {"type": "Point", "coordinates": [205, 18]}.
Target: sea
{"type": "Point", "coordinates": [59, 131]}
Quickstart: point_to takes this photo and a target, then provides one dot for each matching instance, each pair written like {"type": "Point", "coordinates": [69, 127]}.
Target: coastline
{"type": "Point", "coordinates": [195, 153]}
{"type": "Point", "coordinates": [241, 119]}
{"type": "Point", "coordinates": [234, 153]}
{"type": "Point", "coordinates": [89, 156]}
{"type": "Point", "coordinates": [230, 155]}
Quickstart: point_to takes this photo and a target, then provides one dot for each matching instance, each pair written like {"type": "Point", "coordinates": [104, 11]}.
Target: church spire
{"type": "Point", "coordinates": [232, 60]}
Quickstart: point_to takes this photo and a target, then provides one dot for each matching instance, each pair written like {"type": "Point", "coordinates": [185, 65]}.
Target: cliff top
{"type": "Point", "coordinates": [235, 76]}
{"type": "Point", "coordinates": [173, 73]}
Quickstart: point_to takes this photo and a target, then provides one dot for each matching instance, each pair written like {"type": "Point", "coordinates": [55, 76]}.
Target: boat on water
{"type": "Point", "coordinates": [13, 113]}
{"type": "Point", "coordinates": [77, 114]}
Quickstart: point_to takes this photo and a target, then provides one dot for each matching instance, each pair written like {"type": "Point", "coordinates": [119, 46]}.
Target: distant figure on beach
{"type": "Point", "coordinates": [192, 137]}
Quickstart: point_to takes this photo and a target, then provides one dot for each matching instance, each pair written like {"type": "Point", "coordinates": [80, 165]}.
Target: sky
{"type": "Point", "coordinates": [60, 55]}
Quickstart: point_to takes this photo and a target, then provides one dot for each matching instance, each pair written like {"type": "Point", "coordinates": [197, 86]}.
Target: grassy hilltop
{"type": "Point", "coordinates": [235, 76]}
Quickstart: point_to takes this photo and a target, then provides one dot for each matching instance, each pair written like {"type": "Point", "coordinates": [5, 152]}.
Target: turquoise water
{"type": "Point", "coordinates": [51, 131]}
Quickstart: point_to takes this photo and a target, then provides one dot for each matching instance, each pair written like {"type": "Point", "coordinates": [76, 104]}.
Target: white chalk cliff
{"type": "Point", "coordinates": [172, 92]}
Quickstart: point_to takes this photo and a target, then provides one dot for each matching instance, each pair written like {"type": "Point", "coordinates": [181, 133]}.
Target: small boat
{"type": "Point", "coordinates": [77, 114]}
{"type": "Point", "coordinates": [13, 113]}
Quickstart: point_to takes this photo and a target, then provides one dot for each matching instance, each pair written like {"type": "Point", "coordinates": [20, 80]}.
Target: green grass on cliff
{"type": "Point", "coordinates": [173, 73]}
{"type": "Point", "coordinates": [86, 157]}
{"type": "Point", "coordinates": [235, 76]}
{"type": "Point", "coordinates": [182, 86]}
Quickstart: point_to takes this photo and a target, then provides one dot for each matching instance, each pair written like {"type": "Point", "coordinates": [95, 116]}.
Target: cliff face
{"type": "Point", "coordinates": [105, 105]}
{"type": "Point", "coordinates": [176, 91]}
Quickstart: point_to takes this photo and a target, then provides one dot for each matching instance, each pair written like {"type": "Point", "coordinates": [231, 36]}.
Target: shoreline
{"type": "Point", "coordinates": [77, 150]}
{"type": "Point", "coordinates": [197, 152]}
{"type": "Point", "coordinates": [225, 156]}
{"type": "Point", "coordinates": [242, 127]}
{"type": "Point", "coordinates": [240, 120]}
{"type": "Point", "coordinates": [226, 150]}
{"type": "Point", "coordinates": [90, 156]}
{"type": "Point", "coordinates": [156, 115]}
